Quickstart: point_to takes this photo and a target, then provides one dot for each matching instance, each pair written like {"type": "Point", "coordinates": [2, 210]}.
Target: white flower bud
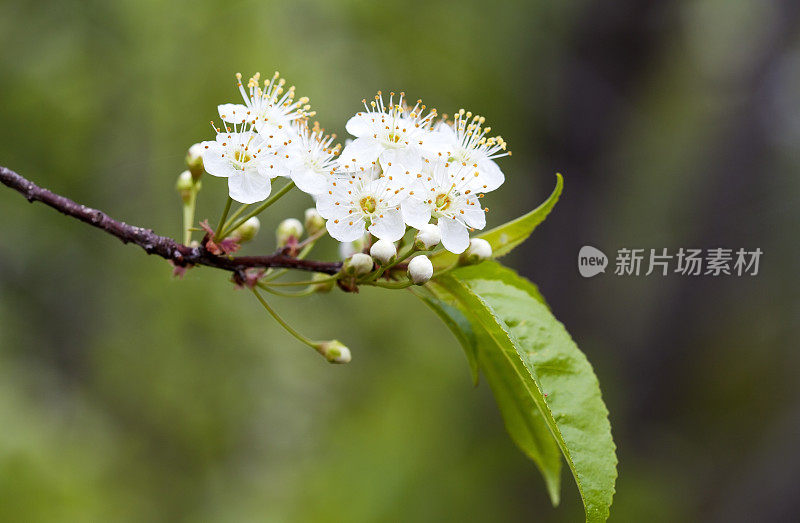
{"type": "Point", "coordinates": [323, 286]}
{"type": "Point", "coordinates": [358, 264]}
{"type": "Point", "coordinates": [428, 237]}
{"type": "Point", "coordinates": [313, 221]}
{"type": "Point", "coordinates": [185, 185]}
{"type": "Point", "coordinates": [420, 269]}
{"type": "Point", "coordinates": [194, 160]}
{"type": "Point", "coordinates": [478, 250]}
{"type": "Point", "coordinates": [288, 228]}
{"type": "Point", "coordinates": [248, 230]}
{"type": "Point", "coordinates": [383, 251]}
{"type": "Point", "coordinates": [334, 351]}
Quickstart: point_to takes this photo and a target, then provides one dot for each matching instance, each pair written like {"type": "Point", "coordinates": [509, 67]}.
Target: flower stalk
{"type": "Point", "coordinates": [218, 230]}
{"type": "Point", "coordinates": [332, 350]}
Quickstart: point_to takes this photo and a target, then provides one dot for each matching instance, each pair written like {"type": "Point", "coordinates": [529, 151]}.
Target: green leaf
{"type": "Point", "coordinates": [461, 329]}
{"type": "Point", "coordinates": [528, 350]}
{"type": "Point", "coordinates": [524, 423]}
{"type": "Point", "coordinates": [506, 237]}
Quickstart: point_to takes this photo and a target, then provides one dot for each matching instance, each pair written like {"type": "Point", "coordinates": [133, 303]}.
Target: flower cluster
{"type": "Point", "coordinates": [264, 137]}
{"type": "Point", "coordinates": [404, 168]}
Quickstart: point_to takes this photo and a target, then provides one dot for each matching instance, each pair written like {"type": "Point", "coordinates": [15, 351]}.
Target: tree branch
{"type": "Point", "coordinates": [152, 243]}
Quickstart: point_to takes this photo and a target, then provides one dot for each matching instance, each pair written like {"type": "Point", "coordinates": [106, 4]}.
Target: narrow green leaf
{"type": "Point", "coordinates": [525, 424]}
{"type": "Point", "coordinates": [460, 327]}
{"type": "Point", "coordinates": [531, 349]}
{"type": "Point", "coordinates": [506, 237]}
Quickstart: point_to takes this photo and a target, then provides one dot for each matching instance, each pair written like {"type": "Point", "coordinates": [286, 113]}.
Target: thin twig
{"type": "Point", "coordinates": [152, 243]}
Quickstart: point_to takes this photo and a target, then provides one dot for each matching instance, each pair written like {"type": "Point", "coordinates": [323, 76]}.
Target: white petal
{"type": "Point", "coordinates": [410, 161]}
{"type": "Point", "coordinates": [397, 172]}
{"type": "Point", "coordinates": [346, 229]}
{"type": "Point", "coordinates": [296, 156]}
{"type": "Point", "coordinates": [474, 215]}
{"type": "Point", "coordinates": [290, 131]}
{"type": "Point", "coordinates": [233, 113]}
{"type": "Point", "coordinates": [490, 177]}
{"type": "Point", "coordinates": [309, 181]}
{"type": "Point", "coordinates": [390, 228]}
{"type": "Point", "coordinates": [447, 130]}
{"type": "Point", "coordinates": [213, 162]}
{"type": "Point", "coordinates": [326, 205]}
{"type": "Point", "coordinates": [361, 125]}
{"type": "Point", "coordinates": [416, 213]}
{"type": "Point", "coordinates": [249, 187]}
{"type": "Point", "coordinates": [360, 151]}
{"type": "Point", "coordinates": [407, 158]}
{"type": "Point", "coordinates": [272, 168]}
{"type": "Point", "coordinates": [455, 236]}
{"type": "Point", "coordinates": [434, 142]}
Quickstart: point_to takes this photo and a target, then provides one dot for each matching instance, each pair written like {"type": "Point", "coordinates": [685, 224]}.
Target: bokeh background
{"type": "Point", "coordinates": [127, 395]}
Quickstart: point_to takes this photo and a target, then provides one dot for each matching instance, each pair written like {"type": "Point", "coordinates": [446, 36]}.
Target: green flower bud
{"type": "Point", "coordinates": [288, 228]}
{"type": "Point", "coordinates": [324, 286]}
{"type": "Point", "coordinates": [248, 230]}
{"type": "Point", "coordinates": [194, 160]}
{"type": "Point", "coordinates": [313, 222]}
{"type": "Point", "coordinates": [185, 186]}
{"type": "Point", "coordinates": [334, 351]}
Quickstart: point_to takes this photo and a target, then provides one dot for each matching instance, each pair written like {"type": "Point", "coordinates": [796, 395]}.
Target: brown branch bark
{"type": "Point", "coordinates": [152, 243]}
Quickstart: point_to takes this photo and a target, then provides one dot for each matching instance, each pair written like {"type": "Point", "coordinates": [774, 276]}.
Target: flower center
{"type": "Point", "coordinates": [443, 201]}
{"type": "Point", "coordinates": [460, 155]}
{"type": "Point", "coordinates": [241, 158]}
{"type": "Point", "coordinates": [394, 139]}
{"type": "Point", "coordinates": [368, 204]}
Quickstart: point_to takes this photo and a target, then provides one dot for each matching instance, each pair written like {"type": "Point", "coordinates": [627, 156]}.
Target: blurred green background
{"type": "Point", "coordinates": [126, 395]}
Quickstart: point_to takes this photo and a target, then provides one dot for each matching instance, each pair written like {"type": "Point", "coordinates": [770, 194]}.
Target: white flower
{"type": "Point", "coordinates": [441, 191]}
{"type": "Point", "coordinates": [392, 134]}
{"type": "Point", "coordinates": [311, 157]}
{"type": "Point", "coordinates": [383, 251]}
{"type": "Point", "coordinates": [247, 160]}
{"type": "Point", "coordinates": [270, 109]}
{"type": "Point", "coordinates": [355, 201]}
{"type": "Point", "coordinates": [420, 269]}
{"type": "Point", "coordinates": [470, 146]}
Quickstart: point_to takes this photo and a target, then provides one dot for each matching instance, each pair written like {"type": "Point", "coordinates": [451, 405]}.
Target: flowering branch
{"type": "Point", "coordinates": [152, 243]}
{"type": "Point", "coordinates": [404, 171]}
